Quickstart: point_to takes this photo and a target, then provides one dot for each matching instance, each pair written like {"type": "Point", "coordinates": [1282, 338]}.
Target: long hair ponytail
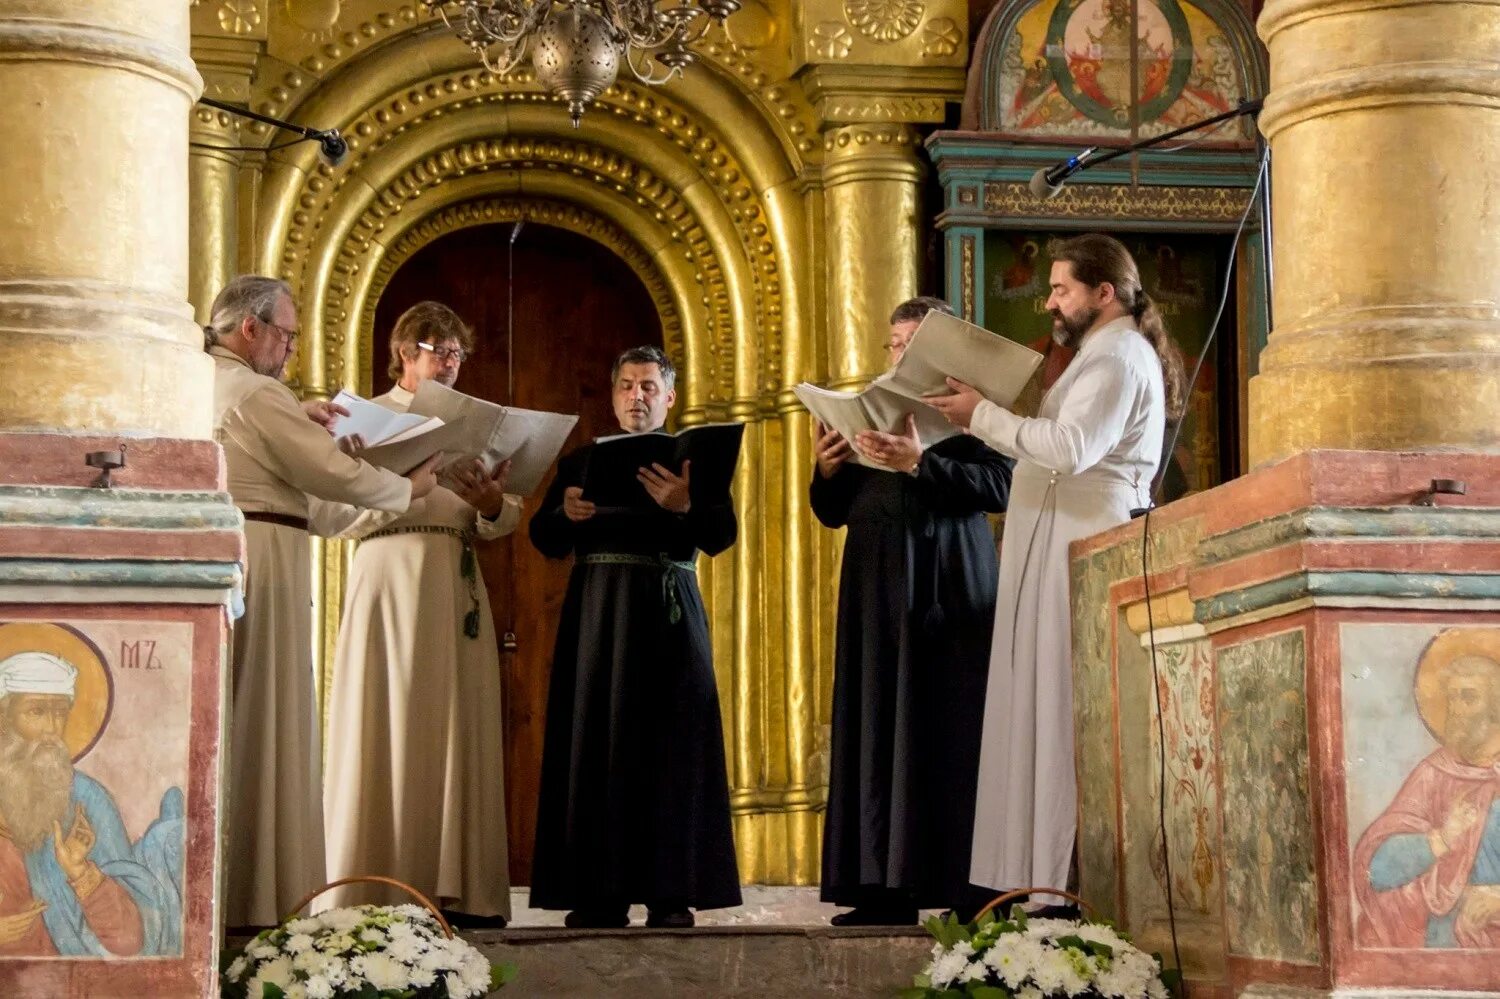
{"type": "Point", "coordinates": [1097, 259]}
{"type": "Point", "coordinates": [1148, 320]}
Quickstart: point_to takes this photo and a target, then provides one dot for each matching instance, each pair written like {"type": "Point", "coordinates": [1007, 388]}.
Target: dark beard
{"type": "Point", "coordinates": [1072, 331]}
{"type": "Point", "coordinates": [36, 786]}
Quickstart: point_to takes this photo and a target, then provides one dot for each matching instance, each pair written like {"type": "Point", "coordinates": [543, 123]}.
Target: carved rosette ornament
{"type": "Point", "coordinates": [941, 38]}
{"type": "Point", "coordinates": [831, 40]}
{"type": "Point", "coordinates": [239, 17]}
{"type": "Point", "coordinates": [884, 21]}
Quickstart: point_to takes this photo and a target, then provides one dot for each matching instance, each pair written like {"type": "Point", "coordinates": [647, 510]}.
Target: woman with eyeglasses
{"type": "Point", "coordinates": [415, 786]}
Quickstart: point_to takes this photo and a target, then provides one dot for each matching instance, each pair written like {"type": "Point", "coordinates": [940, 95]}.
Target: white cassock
{"type": "Point", "coordinates": [1082, 465]}
{"type": "Point", "coordinates": [415, 787]}
{"type": "Point", "coordinates": [276, 457]}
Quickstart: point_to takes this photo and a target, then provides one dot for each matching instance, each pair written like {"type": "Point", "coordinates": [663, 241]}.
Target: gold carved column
{"type": "Point", "coordinates": [93, 256]}
{"type": "Point", "coordinates": [1384, 124]}
{"type": "Point", "coordinates": [872, 192]}
{"type": "Point", "coordinates": [215, 162]}
{"type": "Point", "coordinates": [874, 74]}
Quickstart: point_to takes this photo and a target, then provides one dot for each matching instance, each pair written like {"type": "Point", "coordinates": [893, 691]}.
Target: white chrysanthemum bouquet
{"type": "Point", "coordinates": [1021, 958]}
{"type": "Point", "coordinates": [362, 952]}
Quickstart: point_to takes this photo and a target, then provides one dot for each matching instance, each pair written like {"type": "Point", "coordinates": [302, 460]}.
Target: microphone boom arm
{"type": "Point", "coordinates": [335, 146]}
{"type": "Point", "coordinates": [1244, 108]}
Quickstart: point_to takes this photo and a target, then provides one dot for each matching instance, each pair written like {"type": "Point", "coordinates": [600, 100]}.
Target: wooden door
{"type": "Point", "coordinates": [576, 307]}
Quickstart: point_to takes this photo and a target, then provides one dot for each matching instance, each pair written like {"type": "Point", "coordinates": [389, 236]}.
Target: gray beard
{"type": "Point", "coordinates": [36, 786]}
{"type": "Point", "coordinates": [1070, 333]}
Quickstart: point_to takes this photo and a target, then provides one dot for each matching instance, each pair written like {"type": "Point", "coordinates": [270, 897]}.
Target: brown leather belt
{"type": "Point", "coordinates": [285, 520]}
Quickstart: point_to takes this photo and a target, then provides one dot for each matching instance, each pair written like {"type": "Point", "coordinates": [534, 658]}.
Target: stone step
{"type": "Point", "coordinates": [724, 962]}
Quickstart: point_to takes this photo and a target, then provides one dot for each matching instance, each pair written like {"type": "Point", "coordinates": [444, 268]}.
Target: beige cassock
{"type": "Point", "coordinates": [276, 459]}
{"type": "Point", "coordinates": [415, 787]}
{"type": "Point", "coordinates": [1082, 465]}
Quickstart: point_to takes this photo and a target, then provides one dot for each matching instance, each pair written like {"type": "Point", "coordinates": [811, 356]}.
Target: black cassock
{"type": "Point", "coordinates": [916, 606]}
{"type": "Point", "coordinates": [634, 800]}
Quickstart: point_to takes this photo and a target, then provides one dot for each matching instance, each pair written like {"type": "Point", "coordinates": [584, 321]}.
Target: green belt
{"type": "Point", "coordinates": [669, 595]}
{"type": "Point", "coordinates": [468, 567]}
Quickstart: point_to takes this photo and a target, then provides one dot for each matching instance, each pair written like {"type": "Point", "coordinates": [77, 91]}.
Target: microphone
{"type": "Point", "coordinates": [333, 148]}
{"type": "Point", "coordinates": [1048, 181]}
{"type": "Point", "coordinates": [515, 231]}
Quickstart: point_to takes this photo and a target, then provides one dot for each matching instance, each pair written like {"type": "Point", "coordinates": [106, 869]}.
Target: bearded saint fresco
{"type": "Point", "coordinates": [72, 883]}
{"type": "Point", "coordinates": [1427, 870]}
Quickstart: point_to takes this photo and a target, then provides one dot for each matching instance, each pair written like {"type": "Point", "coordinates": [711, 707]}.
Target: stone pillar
{"type": "Point", "coordinates": [93, 256]}
{"type": "Point", "coordinates": [871, 188]}
{"type": "Point", "coordinates": [214, 167]}
{"type": "Point", "coordinates": [118, 583]}
{"type": "Point", "coordinates": [1384, 124]}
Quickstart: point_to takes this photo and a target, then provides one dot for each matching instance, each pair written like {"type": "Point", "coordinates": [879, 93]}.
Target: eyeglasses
{"type": "Point", "coordinates": [291, 335]}
{"type": "Point", "coordinates": [896, 345]}
{"type": "Point", "coordinates": [445, 353]}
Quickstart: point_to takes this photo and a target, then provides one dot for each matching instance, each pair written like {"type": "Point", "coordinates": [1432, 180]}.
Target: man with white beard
{"type": "Point", "coordinates": [70, 880]}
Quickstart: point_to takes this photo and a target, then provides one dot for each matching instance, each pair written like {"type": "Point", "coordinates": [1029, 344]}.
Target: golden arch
{"type": "Point", "coordinates": [737, 173]}
{"type": "Point", "coordinates": [490, 211]}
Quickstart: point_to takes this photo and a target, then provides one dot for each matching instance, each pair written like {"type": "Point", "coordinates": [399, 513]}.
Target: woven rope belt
{"type": "Point", "coordinates": [669, 594]}
{"type": "Point", "coordinates": [467, 564]}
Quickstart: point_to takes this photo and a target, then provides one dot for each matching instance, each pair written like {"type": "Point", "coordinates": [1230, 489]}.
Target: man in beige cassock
{"type": "Point", "coordinates": [277, 455]}
{"type": "Point", "coordinates": [416, 754]}
{"type": "Point", "coordinates": [1082, 465]}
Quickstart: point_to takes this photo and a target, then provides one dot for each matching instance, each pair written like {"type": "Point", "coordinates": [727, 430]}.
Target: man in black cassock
{"type": "Point", "coordinates": [916, 606]}
{"type": "Point", "coordinates": [634, 795]}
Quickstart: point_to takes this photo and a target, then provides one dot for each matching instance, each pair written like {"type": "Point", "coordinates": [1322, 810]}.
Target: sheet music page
{"type": "Point", "coordinates": [372, 421]}
{"type": "Point", "coordinates": [945, 345]}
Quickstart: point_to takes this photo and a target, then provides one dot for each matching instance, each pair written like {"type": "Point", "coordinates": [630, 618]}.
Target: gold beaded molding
{"type": "Point", "coordinates": [479, 93]}
{"type": "Point", "coordinates": [308, 56]}
{"type": "Point", "coordinates": [499, 211]}
{"type": "Point", "coordinates": [578, 162]}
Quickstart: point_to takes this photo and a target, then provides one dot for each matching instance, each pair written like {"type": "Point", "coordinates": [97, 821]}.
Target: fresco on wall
{"type": "Point", "coordinates": [1186, 694]}
{"type": "Point", "coordinates": [1066, 70]}
{"type": "Point", "coordinates": [1180, 273]}
{"type": "Point", "coordinates": [92, 814]}
{"type": "Point", "coordinates": [1422, 749]}
{"type": "Point", "coordinates": [1271, 881]}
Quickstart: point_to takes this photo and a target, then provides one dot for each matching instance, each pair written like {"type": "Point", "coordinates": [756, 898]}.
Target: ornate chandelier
{"type": "Point", "coordinates": [577, 45]}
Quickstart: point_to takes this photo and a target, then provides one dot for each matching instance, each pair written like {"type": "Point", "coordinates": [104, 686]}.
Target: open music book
{"type": "Point", "coordinates": [942, 345]}
{"type": "Point", "coordinates": [609, 478]}
{"type": "Point", "coordinates": [463, 428]}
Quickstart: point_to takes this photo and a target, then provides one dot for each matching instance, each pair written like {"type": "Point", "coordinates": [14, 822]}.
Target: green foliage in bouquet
{"type": "Point", "coordinates": [362, 952]}
{"type": "Point", "coordinates": [1022, 958]}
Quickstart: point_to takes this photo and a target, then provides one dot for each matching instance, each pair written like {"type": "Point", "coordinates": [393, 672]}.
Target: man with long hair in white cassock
{"type": "Point", "coordinates": [1082, 465]}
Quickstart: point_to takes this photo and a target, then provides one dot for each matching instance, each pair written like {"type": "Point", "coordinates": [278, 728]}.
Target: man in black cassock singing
{"type": "Point", "coordinates": [634, 796]}
{"type": "Point", "coordinates": [916, 605]}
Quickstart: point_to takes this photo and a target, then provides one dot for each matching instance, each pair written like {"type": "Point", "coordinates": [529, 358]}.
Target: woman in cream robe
{"type": "Point", "coordinates": [1083, 464]}
{"type": "Point", "coordinates": [415, 785]}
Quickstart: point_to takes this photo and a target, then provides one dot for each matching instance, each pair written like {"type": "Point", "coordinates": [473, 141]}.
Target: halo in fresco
{"type": "Point", "coordinates": [1089, 46]}
{"type": "Point", "coordinates": [93, 694]}
{"type": "Point", "coordinates": [1432, 670]}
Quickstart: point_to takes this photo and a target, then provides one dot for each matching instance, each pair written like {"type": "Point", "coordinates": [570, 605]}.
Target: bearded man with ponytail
{"type": "Point", "coordinates": [1082, 464]}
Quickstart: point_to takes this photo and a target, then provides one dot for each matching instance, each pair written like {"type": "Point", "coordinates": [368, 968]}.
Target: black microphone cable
{"type": "Point", "coordinates": [1161, 725]}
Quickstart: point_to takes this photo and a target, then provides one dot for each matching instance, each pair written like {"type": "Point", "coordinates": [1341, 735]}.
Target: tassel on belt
{"type": "Point", "coordinates": [670, 596]}
{"type": "Point", "coordinates": [467, 565]}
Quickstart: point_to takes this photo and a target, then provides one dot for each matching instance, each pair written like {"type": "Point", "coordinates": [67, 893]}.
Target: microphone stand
{"type": "Point", "coordinates": [334, 146]}
{"type": "Point", "coordinates": [1086, 160]}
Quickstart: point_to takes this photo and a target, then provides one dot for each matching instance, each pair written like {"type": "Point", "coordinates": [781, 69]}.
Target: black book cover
{"type": "Point", "coordinates": [609, 478]}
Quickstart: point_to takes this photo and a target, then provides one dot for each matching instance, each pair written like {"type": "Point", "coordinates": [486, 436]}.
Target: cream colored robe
{"type": "Point", "coordinates": [276, 456]}
{"type": "Point", "coordinates": [415, 787]}
{"type": "Point", "coordinates": [1082, 465]}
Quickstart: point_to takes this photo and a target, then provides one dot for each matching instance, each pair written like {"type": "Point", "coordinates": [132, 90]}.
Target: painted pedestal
{"type": "Point", "coordinates": [121, 594]}
{"type": "Point", "coordinates": [1327, 662]}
